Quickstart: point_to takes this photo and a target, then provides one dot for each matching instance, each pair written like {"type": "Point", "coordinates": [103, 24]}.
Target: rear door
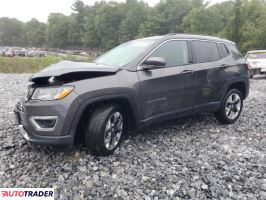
{"type": "Point", "coordinates": [210, 74]}
{"type": "Point", "coordinates": [168, 90]}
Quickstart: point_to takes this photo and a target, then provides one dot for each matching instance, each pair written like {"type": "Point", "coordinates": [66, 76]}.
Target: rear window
{"type": "Point", "coordinates": [205, 51]}
{"type": "Point", "coordinates": [223, 50]}
{"type": "Point", "coordinates": [236, 54]}
{"type": "Point", "coordinates": [258, 55]}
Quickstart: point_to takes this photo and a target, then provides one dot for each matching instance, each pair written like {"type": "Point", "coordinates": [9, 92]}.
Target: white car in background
{"type": "Point", "coordinates": [257, 62]}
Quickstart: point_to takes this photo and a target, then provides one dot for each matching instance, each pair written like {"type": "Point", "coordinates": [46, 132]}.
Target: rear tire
{"type": "Point", "coordinates": [105, 129]}
{"type": "Point", "coordinates": [231, 107]}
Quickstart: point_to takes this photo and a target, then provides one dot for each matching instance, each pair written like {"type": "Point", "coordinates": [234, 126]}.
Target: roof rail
{"type": "Point", "coordinates": [171, 34]}
{"type": "Point", "coordinates": [196, 35]}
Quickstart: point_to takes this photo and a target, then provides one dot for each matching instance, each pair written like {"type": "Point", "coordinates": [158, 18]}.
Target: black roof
{"type": "Point", "coordinates": [191, 36]}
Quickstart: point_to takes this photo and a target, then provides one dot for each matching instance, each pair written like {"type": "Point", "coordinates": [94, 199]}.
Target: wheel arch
{"type": "Point", "coordinates": [88, 106]}
{"type": "Point", "coordinates": [242, 84]}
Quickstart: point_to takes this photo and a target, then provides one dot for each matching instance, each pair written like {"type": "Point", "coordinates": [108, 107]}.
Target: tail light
{"type": "Point", "coordinates": [248, 66]}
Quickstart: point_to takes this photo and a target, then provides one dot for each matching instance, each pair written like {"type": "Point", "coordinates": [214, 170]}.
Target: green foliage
{"type": "Point", "coordinates": [246, 24]}
{"type": "Point", "coordinates": [166, 17]}
{"type": "Point", "coordinates": [58, 30]}
{"type": "Point", "coordinates": [79, 58]}
{"type": "Point", "coordinates": [137, 13]}
{"type": "Point", "coordinates": [76, 26]}
{"type": "Point", "coordinates": [35, 33]}
{"type": "Point", "coordinates": [34, 64]}
{"type": "Point", "coordinates": [26, 65]}
{"type": "Point", "coordinates": [11, 32]}
{"type": "Point", "coordinates": [193, 22]}
{"type": "Point", "coordinates": [107, 21]}
{"type": "Point", "coordinates": [105, 25]}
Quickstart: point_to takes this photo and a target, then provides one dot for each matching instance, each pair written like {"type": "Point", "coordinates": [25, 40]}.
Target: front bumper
{"type": "Point", "coordinates": [45, 140]}
{"type": "Point", "coordinates": [61, 135]}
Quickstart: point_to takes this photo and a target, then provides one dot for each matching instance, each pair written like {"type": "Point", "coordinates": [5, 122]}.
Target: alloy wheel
{"type": "Point", "coordinates": [233, 106]}
{"type": "Point", "coordinates": [113, 130]}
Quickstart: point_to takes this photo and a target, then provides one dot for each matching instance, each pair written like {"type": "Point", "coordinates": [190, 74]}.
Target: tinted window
{"type": "Point", "coordinates": [236, 54]}
{"type": "Point", "coordinates": [223, 50]}
{"type": "Point", "coordinates": [205, 51]}
{"type": "Point", "coordinates": [174, 52]}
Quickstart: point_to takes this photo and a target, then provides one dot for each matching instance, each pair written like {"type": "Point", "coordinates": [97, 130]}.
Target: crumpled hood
{"type": "Point", "coordinates": [68, 67]}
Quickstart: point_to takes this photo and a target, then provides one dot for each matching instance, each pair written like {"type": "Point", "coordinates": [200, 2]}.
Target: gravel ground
{"type": "Point", "coordinates": [190, 158]}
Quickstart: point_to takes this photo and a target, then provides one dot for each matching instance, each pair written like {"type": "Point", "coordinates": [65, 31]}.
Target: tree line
{"type": "Point", "coordinates": [105, 25]}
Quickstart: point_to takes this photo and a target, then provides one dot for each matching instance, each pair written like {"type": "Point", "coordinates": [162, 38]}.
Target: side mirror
{"type": "Point", "coordinates": [154, 63]}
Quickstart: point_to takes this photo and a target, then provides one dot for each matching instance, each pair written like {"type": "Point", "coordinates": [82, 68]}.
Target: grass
{"type": "Point", "coordinates": [34, 64]}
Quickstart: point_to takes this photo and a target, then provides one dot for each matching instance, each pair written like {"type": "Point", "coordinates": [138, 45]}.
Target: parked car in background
{"type": "Point", "coordinates": [10, 53]}
{"type": "Point", "coordinates": [133, 86]}
{"type": "Point", "coordinates": [257, 62]}
{"type": "Point", "coordinates": [83, 53]}
{"type": "Point", "coordinates": [21, 53]}
{"type": "Point", "coordinates": [2, 52]}
{"type": "Point", "coordinates": [39, 54]}
{"type": "Point", "coordinates": [29, 53]}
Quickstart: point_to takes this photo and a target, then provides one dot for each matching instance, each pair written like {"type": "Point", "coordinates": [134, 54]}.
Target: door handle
{"type": "Point", "coordinates": [187, 72]}
{"type": "Point", "coordinates": [223, 66]}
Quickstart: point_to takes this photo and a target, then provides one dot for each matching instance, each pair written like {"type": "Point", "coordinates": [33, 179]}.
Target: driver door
{"type": "Point", "coordinates": [168, 90]}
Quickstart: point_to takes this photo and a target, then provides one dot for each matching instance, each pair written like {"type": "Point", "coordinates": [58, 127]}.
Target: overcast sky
{"type": "Point", "coordinates": [25, 10]}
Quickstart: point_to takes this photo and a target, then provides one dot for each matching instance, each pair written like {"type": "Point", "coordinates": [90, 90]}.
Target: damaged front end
{"type": "Point", "coordinates": [68, 71]}
{"type": "Point", "coordinates": [45, 115]}
{"type": "Point", "coordinates": [66, 78]}
{"type": "Point", "coordinates": [72, 71]}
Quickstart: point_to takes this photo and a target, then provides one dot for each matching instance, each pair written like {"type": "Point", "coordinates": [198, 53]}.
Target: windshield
{"type": "Point", "coordinates": [125, 53]}
{"type": "Point", "coordinates": [258, 55]}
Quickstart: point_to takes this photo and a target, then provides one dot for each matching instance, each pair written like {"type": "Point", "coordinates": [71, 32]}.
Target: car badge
{"type": "Point", "coordinates": [51, 80]}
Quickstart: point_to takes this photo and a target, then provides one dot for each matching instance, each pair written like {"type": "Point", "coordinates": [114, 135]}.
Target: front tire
{"type": "Point", "coordinates": [105, 130]}
{"type": "Point", "coordinates": [231, 107]}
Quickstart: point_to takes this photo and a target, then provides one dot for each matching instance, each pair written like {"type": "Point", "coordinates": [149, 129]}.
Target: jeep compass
{"type": "Point", "coordinates": [131, 87]}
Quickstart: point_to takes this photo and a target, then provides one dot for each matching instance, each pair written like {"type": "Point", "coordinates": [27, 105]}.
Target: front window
{"type": "Point", "coordinates": [259, 55]}
{"type": "Point", "coordinates": [174, 52]}
{"type": "Point", "coordinates": [125, 53]}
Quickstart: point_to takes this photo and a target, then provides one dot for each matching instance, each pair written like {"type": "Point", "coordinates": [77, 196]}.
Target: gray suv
{"type": "Point", "coordinates": [133, 86]}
